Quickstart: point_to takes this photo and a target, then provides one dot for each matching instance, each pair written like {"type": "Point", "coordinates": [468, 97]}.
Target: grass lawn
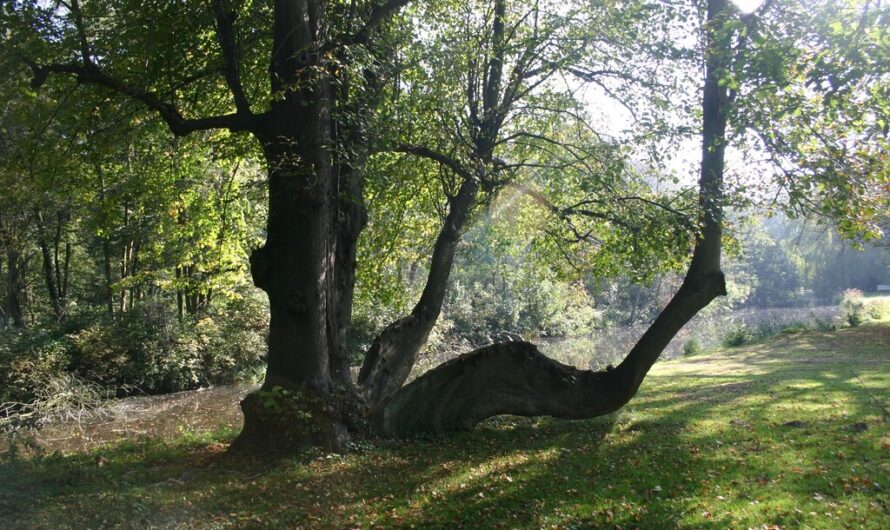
{"type": "Point", "coordinates": [791, 433]}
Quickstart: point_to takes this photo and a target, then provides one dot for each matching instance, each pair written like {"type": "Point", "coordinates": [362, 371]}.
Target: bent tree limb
{"type": "Point", "coordinates": [515, 378]}
{"type": "Point", "coordinates": [391, 357]}
{"type": "Point", "coordinates": [389, 361]}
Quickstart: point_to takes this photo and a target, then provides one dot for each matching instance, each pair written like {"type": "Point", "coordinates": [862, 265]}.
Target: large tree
{"type": "Point", "coordinates": [304, 78]}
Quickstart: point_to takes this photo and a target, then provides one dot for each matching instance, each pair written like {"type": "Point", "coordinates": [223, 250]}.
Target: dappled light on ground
{"type": "Point", "coordinates": [786, 434]}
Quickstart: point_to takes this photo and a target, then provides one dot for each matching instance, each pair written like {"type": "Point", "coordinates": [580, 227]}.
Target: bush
{"type": "Point", "coordinates": [692, 347]}
{"type": "Point", "coordinates": [145, 349]}
{"type": "Point", "coordinates": [794, 327]}
{"type": "Point", "coordinates": [825, 324]}
{"type": "Point", "coordinates": [738, 336]}
{"type": "Point", "coordinates": [28, 358]}
{"type": "Point", "coordinates": [878, 308]}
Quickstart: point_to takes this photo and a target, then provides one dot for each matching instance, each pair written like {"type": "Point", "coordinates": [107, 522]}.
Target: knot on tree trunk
{"type": "Point", "coordinates": [259, 267]}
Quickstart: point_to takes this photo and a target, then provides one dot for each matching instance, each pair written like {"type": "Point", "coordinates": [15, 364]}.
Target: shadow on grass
{"type": "Point", "coordinates": [697, 451]}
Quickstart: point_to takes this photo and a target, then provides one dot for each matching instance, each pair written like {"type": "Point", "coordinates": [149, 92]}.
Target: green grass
{"type": "Point", "coordinates": [704, 445]}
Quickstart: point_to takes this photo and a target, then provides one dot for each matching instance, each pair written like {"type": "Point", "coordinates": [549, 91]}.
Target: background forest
{"type": "Point", "coordinates": [128, 274]}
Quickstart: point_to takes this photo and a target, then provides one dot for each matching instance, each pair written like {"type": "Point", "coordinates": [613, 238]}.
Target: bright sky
{"type": "Point", "coordinates": [747, 6]}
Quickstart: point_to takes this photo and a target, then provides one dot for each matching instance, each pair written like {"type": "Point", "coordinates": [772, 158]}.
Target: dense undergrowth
{"type": "Point", "coordinates": [146, 350]}
{"type": "Point", "coordinates": [786, 433]}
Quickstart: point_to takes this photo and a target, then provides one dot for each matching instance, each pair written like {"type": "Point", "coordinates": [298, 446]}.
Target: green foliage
{"type": "Point", "coordinates": [737, 337]}
{"type": "Point", "coordinates": [145, 350]}
{"type": "Point", "coordinates": [813, 94]}
{"type": "Point", "coordinates": [777, 277]}
{"type": "Point", "coordinates": [878, 309]}
{"type": "Point", "coordinates": [28, 359]}
{"type": "Point", "coordinates": [498, 285]}
{"type": "Point", "coordinates": [825, 325]}
{"type": "Point", "coordinates": [282, 402]}
{"type": "Point", "coordinates": [692, 347]}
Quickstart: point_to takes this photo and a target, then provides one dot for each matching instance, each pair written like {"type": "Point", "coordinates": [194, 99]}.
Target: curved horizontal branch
{"type": "Point", "coordinates": [179, 125]}
{"type": "Point", "coordinates": [507, 378]}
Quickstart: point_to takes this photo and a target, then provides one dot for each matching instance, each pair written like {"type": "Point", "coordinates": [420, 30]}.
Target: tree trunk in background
{"type": "Point", "coordinates": [65, 273]}
{"type": "Point", "coordinates": [106, 269]}
{"type": "Point", "coordinates": [180, 298]}
{"type": "Point", "coordinates": [514, 378]}
{"type": "Point", "coordinates": [15, 287]}
{"type": "Point", "coordinates": [124, 260]}
{"type": "Point", "coordinates": [49, 265]}
{"type": "Point", "coordinates": [62, 258]}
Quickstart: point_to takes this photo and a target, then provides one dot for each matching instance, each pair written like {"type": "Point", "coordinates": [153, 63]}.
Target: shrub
{"type": "Point", "coordinates": [825, 324]}
{"type": "Point", "coordinates": [28, 358]}
{"type": "Point", "coordinates": [737, 337]}
{"type": "Point", "coordinates": [878, 308]}
{"type": "Point", "coordinates": [794, 327]}
{"type": "Point", "coordinates": [145, 349]}
{"type": "Point", "coordinates": [692, 347]}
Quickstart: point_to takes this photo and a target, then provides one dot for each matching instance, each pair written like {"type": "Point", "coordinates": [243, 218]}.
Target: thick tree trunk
{"type": "Point", "coordinates": [297, 404]}
{"type": "Point", "coordinates": [514, 378]}
{"type": "Point", "coordinates": [389, 361]}
{"type": "Point", "coordinates": [293, 268]}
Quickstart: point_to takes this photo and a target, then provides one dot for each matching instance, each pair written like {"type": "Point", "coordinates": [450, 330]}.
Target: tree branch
{"type": "Point", "coordinates": [225, 32]}
{"type": "Point", "coordinates": [380, 13]}
{"type": "Point", "coordinates": [425, 152]}
{"type": "Point", "coordinates": [515, 378]}
{"type": "Point", "coordinates": [179, 125]}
